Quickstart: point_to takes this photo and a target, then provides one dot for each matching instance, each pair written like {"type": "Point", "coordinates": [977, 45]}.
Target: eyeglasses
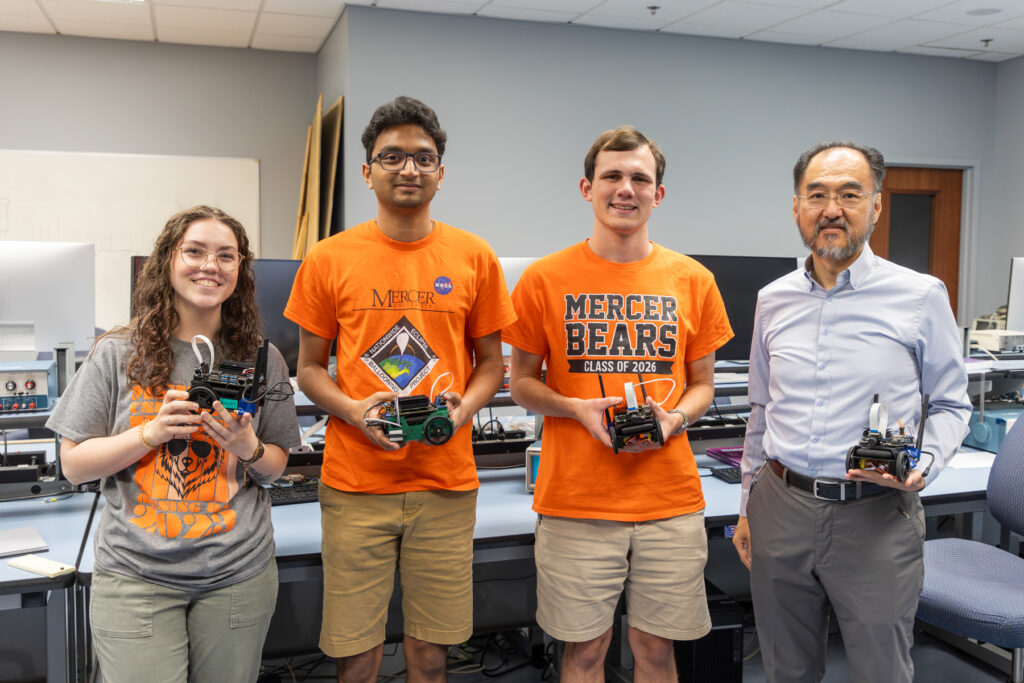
{"type": "Point", "coordinates": [846, 199]}
{"type": "Point", "coordinates": [425, 162]}
{"type": "Point", "coordinates": [195, 257]}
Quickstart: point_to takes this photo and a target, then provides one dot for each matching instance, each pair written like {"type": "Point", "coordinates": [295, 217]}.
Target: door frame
{"type": "Point", "coordinates": [969, 221]}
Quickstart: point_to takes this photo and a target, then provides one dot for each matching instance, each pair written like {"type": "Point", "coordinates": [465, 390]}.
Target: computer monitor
{"type": "Point", "coordinates": [513, 267]}
{"type": "Point", "coordinates": [47, 296]}
{"type": "Point", "coordinates": [1015, 297]}
{"type": "Point", "coordinates": [273, 278]}
{"type": "Point", "coordinates": [739, 278]}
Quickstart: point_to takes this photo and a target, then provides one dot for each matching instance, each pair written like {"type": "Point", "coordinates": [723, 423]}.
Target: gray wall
{"type": "Point", "coordinates": [1005, 234]}
{"type": "Point", "coordinates": [81, 94]}
{"type": "Point", "coordinates": [523, 101]}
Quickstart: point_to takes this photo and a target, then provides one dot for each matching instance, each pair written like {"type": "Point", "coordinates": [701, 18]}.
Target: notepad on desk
{"type": "Point", "coordinates": [20, 541]}
{"type": "Point", "coordinates": [41, 565]}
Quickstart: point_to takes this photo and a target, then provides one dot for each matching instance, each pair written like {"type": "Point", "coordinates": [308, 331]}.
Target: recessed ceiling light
{"type": "Point", "coordinates": [984, 11]}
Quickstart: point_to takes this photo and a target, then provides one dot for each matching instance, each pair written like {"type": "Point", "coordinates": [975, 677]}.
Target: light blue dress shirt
{"type": "Point", "coordinates": [818, 357]}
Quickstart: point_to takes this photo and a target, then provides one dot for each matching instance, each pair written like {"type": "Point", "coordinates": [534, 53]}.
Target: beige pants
{"type": "Point", "coordinates": [426, 535]}
{"type": "Point", "coordinates": [583, 565]}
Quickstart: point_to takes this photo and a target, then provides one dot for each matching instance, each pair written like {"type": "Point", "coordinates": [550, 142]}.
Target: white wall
{"type": "Point", "coordinates": [523, 101]}
{"type": "Point", "coordinates": [82, 94]}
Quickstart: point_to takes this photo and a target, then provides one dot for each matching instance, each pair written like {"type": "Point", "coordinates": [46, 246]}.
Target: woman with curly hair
{"type": "Point", "coordinates": [185, 581]}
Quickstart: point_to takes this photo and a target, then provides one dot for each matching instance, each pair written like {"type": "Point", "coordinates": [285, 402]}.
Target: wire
{"type": "Point", "coordinates": [195, 349]}
{"type": "Point", "coordinates": [436, 380]}
{"type": "Point", "coordinates": [659, 379]}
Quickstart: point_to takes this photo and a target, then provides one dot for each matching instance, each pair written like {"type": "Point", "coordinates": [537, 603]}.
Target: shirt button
{"type": "Point", "coordinates": [821, 367]}
{"type": "Point", "coordinates": [821, 403]}
{"type": "Point", "coordinates": [825, 333]}
{"type": "Point", "coordinates": [814, 439]}
{"type": "Point", "coordinates": [814, 473]}
{"type": "Point", "coordinates": [828, 298]}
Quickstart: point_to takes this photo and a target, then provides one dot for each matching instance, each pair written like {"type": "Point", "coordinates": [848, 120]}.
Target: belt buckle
{"type": "Point", "coordinates": [842, 490]}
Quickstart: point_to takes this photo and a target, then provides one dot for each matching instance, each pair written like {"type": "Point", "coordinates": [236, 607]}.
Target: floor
{"type": "Point", "coordinates": [507, 657]}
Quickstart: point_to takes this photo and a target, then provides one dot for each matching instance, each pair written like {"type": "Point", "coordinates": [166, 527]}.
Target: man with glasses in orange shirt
{"type": "Point", "coordinates": [416, 307]}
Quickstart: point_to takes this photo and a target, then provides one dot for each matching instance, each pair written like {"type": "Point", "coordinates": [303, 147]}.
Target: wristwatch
{"type": "Point", "coordinates": [686, 421]}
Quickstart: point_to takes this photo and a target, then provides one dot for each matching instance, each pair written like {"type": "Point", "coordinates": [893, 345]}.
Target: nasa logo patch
{"type": "Point", "coordinates": [443, 285]}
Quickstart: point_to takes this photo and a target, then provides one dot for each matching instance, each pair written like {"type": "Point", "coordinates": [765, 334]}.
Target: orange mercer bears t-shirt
{"type": "Point", "coordinates": [403, 314]}
{"type": "Point", "coordinates": [585, 316]}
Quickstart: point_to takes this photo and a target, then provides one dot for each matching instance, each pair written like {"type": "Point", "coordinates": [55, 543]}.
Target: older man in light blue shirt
{"type": "Point", "coordinates": [827, 338]}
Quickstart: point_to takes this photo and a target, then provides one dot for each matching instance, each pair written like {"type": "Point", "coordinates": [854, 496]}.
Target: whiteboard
{"type": "Point", "coordinates": [120, 203]}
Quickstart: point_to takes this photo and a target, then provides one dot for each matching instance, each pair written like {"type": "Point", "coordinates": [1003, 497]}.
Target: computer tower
{"type": "Point", "coordinates": [718, 656]}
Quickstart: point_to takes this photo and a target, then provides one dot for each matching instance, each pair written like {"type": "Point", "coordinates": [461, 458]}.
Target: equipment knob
{"type": "Point", "coordinates": [30, 384]}
{"type": "Point", "coordinates": [11, 385]}
{"type": "Point", "coordinates": [32, 406]}
{"type": "Point", "coordinates": [14, 406]}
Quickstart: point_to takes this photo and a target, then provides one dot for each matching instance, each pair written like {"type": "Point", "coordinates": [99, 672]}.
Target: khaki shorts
{"type": "Point", "coordinates": [428, 534]}
{"type": "Point", "coordinates": [583, 564]}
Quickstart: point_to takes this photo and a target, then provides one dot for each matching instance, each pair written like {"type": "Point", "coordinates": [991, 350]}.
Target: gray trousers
{"type": "Point", "coordinates": [864, 558]}
{"type": "Point", "coordinates": [145, 632]}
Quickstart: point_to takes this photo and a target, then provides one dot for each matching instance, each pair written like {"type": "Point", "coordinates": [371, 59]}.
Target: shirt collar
{"type": "Point", "coordinates": [855, 275]}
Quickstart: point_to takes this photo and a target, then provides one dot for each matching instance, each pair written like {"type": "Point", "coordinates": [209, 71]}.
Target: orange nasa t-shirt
{"type": "Point", "coordinates": [403, 314]}
{"type": "Point", "coordinates": [586, 315]}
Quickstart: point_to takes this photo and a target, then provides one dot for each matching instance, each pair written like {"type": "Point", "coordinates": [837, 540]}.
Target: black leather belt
{"type": "Point", "coordinates": [826, 489]}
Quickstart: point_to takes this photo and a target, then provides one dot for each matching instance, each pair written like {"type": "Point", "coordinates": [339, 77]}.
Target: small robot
{"type": "Point", "coordinates": [884, 451]}
{"type": "Point", "coordinates": [631, 424]}
{"type": "Point", "coordinates": [415, 418]}
{"type": "Point", "coordinates": [238, 386]}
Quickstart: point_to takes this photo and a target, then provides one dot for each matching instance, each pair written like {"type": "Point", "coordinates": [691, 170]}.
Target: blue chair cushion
{"type": "Point", "coordinates": [974, 590]}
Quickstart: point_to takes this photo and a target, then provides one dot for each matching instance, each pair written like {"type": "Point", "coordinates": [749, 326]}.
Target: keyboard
{"type": "Point", "coordinates": [297, 493]}
{"type": "Point", "coordinates": [728, 408]}
{"type": "Point", "coordinates": [731, 475]}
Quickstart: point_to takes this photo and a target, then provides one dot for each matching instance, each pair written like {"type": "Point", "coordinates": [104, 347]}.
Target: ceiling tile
{"type": "Point", "coordinates": [899, 34]}
{"type": "Point", "coordinates": [199, 36]}
{"type": "Point", "coordinates": [1003, 40]}
{"type": "Point", "coordinates": [263, 41]}
{"type": "Point", "coordinates": [607, 21]}
{"type": "Point", "coordinates": [525, 14]}
{"type": "Point", "coordinates": [239, 5]}
{"type": "Point", "coordinates": [669, 10]}
{"type": "Point", "coordinates": [782, 37]}
{"type": "Point", "coordinates": [742, 18]}
{"type": "Point", "coordinates": [806, 4]}
{"type": "Point", "coordinates": [313, 8]}
{"type": "Point", "coordinates": [826, 25]}
{"type": "Point", "coordinates": [293, 25]}
{"type": "Point", "coordinates": [889, 8]}
{"type": "Point", "coordinates": [210, 19]}
{"type": "Point", "coordinates": [23, 15]}
{"type": "Point", "coordinates": [937, 51]}
{"type": "Point", "coordinates": [98, 12]}
{"type": "Point", "coordinates": [20, 8]}
{"type": "Point", "coordinates": [19, 23]}
{"type": "Point", "coordinates": [960, 12]}
{"type": "Point", "coordinates": [441, 6]}
{"type": "Point", "coordinates": [103, 29]}
{"type": "Point", "coordinates": [557, 6]}
{"type": "Point", "coordinates": [993, 56]}
{"type": "Point", "coordinates": [715, 30]}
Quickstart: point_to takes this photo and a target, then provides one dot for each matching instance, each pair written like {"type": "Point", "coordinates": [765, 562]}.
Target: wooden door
{"type": "Point", "coordinates": [930, 197]}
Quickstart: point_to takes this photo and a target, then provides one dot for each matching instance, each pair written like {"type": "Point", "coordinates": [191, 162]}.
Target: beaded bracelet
{"type": "Point", "coordinates": [256, 455]}
{"type": "Point", "coordinates": [142, 437]}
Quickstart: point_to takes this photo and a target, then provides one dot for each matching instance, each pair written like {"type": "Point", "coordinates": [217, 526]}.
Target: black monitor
{"type": "Point", "coordinates": [274, 278]}
{"type": "Point", "coordinates": [739, 278]}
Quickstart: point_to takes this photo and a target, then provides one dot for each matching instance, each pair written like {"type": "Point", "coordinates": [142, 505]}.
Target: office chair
{"type": "Point", "coordinates": [976, 590]}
